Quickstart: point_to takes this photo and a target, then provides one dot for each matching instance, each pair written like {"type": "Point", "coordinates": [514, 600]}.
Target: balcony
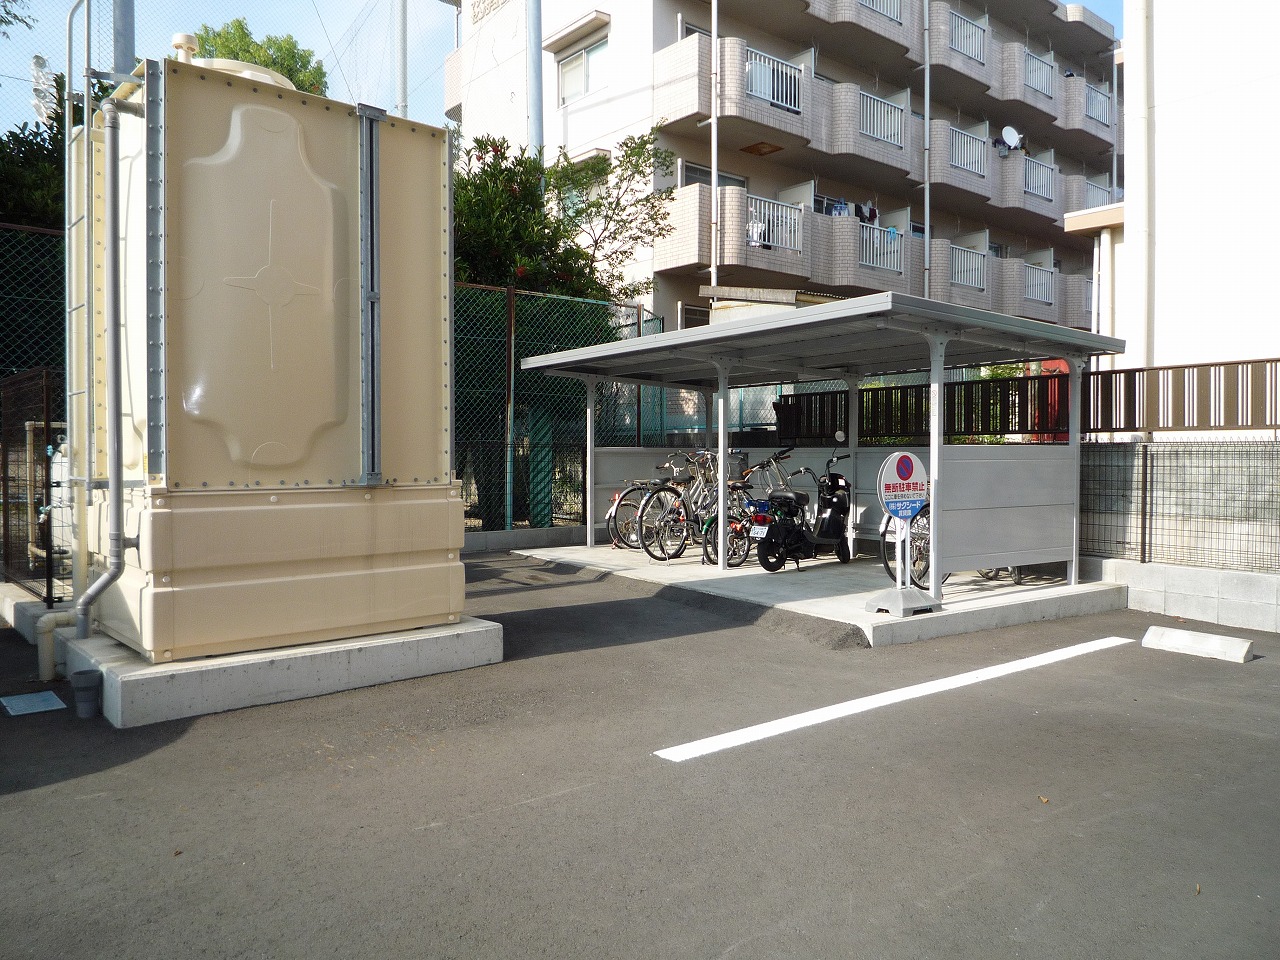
{"type": "Point", "coordinates": [766, 236]}
{"type": "Point", "coordinates": [1082, 191]}
{"type": "Point", "coordinates": [879, 29]}
{"type": "Point", "coordinates": [1086, 114]}
{"type": "Point", "coordinates": [1024, 289]}
{"type": "Point", "coordinates": [849, 255]}
{"type": "Point", "coordinates": [960, 158]}
{"type": "Point", "coordinates": [962, 47]}
{"type": "Point", "coordinates": [1030, 186]}
{"type": "Point", "coordinates": [1028, 90]}
{"type": "Point", "coordinates": [959, 275]}
{"type": "Point", "coordinates": [764, 91]}
{"type": "Point", "coordinates": [1077, 302]}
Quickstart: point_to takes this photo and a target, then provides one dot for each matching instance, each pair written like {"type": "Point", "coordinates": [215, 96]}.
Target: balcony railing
{"type": "Point", "coordinates": [890, 8]}
{"type": "Point", "coordinates": [968, 268]}
{"type": "Point", "coordinates": [1097, 104]}
{"type": "Point", "coordinates": [1096, 195]}
{"type": "Point", "coordinates": [1037, 179]}
{"type": "Point", "coordinates": [880, 247]}
{"type": "Point", "coordinates": [1039, 74]}
{"type": "Point", "coordinates": [772, 225]}
{"type": "Point", "coordinates": [968, 38]}
{"type": "Point", "coordinates": [881, 119]}
{"type": "Point", "coordinates": [968, 152]}
{"type": "Point", "coordinates": [1038, 283]}
{"type": "Point", "coordinates": [774, 80]}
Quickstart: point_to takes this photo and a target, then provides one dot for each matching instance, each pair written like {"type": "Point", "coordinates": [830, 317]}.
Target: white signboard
{"type": "Point", "coordinates": [903, 485]}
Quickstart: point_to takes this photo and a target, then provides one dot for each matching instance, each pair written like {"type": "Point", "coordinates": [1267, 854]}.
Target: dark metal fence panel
{"type": "Point", "coordinates": [32, 297]}
{"type": "Point", "coordinates": [1202, 503]}
{"type": "Point", "coordinates": [34, 522]}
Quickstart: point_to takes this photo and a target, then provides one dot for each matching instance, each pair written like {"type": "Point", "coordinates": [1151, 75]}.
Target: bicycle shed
{"type": "Point", "coordinates": [1032, 490]}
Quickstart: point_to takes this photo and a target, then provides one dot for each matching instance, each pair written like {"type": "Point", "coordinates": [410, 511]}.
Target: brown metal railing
{"type": "Point", "coordinates": [1244, 395]}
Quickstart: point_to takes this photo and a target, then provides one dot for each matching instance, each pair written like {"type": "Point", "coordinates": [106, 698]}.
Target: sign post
{"type": "Point", "coordinates": [902, 484]}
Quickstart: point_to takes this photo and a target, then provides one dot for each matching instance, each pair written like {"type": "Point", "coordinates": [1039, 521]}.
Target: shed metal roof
{"type": "Point", "coordinates": [867, 336]}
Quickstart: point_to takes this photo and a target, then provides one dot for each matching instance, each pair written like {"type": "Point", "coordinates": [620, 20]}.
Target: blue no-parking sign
{"type": "Point", "coordinates": [903, 485]}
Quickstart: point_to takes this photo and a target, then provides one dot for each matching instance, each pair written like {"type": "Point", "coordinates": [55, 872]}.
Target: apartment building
{"type": "Point", "coordinates": [837, 175]}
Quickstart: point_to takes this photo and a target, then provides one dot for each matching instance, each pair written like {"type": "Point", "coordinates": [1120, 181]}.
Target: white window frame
{"type": "Point", "coordinates": [726, 179]}
{"type": "Point", "coordinates": [582, 58]}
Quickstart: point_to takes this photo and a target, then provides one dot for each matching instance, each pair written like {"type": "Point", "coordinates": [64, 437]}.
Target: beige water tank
{"type": "Point", "coordinates": [287, 340]}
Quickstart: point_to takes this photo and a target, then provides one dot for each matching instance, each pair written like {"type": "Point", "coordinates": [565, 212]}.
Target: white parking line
{"type": "Point", "coordinates": [773, 728]}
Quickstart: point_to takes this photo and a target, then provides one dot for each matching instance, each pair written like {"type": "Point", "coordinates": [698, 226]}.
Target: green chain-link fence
{"type": "Point", "coordinates": [32, 317]}
{"type": "Point", "coordinates": [519, 436]}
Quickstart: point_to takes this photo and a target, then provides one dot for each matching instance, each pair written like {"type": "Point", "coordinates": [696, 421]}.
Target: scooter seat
{"type": "Point", "coordinates": [797, 497]}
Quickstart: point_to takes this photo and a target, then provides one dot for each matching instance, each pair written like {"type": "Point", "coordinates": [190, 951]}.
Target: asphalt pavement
{"type": "Point", "coordinates": [1119, 803]}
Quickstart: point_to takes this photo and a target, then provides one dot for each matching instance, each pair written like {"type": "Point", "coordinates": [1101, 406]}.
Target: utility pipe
{"type": "Point", "coordinates": [928, 136]}
{"type": "Point", "coordinates": [111, 322]}
{"type": "Point", "coordinates": [533, 73]}
{"type": "Point", "coordinates": [44, 640]}
{"type": "Point", "coordinates": [715, 147]}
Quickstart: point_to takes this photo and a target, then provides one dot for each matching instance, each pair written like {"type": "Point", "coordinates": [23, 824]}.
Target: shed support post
{"type": "Point", "coordinates": [589, 481]}
{"type": "Point", "coordinates": [937, 353]}
{"type": "Point", "coordinates": [722, 466]}
{"type": "Point", "coordinates": [1076, 368]}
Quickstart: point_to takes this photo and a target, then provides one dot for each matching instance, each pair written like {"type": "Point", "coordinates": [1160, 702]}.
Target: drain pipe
{"type": "Point", "coordinates": [928, 154]}
{"type": "Point", "coordinates": [111, 321]}
{"type": "Point", "coordinates": [44, 640]}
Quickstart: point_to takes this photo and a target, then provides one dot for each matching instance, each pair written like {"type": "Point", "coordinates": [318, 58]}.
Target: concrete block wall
{"type": "Point", "coordinates": [1229, 598]}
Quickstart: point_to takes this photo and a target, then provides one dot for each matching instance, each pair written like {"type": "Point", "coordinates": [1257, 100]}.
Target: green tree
{"type": "Point", "coordinates": [570, 228]}
{"type": "Point", "coordinates": [31, 188]}
{"type": "Point", "coordinates": [506, 234]}
{"type": "Point", "coordinates": [233, 41]}
{"type": "Point", "coordinates": [9, 16]}
{"type": "Point", "coordinates": [609, 201]}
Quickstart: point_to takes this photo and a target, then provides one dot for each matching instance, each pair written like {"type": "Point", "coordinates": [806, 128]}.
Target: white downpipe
{"type": "Point", "coordinates": [402, 58]}
{"type": "Point", "coordinates": [1076, 368]}
{"type": "Point", "coordinates": [928, 136]}
{"type": "Point", "coordinates": [715, 145]}
{"type": "Point", "coordinates": [533, 67]}
{"type": "Point", "coordinates": [111, 325]}
{"type": "Point", "coordinates": [45, 648]}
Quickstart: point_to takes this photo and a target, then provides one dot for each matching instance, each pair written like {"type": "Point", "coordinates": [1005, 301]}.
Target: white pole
{"type": "Point", "coordinates": [928, 136]}
{"type": "Point", "coordinates": [1075, 366]}
{"type": "Point", "coordinates": [715, 144]}
{"type": "Point", "coordinates": [533, 67]}
{"type": "Point", "coordinates": [722, 467]}
{"type": "Point", "coordinates": [402, 58]}
{"type": "Point", "coordinates": [937, 352]}
{"type": "Point", "coordinates": [590, 479]}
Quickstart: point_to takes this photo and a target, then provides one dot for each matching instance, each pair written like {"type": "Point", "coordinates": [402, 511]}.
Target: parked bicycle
{"type": "Point", "coordinates": [621, 520]}
{"type": "Point", "coordinates": [673, 514]}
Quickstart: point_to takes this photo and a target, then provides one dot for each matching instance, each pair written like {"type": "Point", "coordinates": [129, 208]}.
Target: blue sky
{"type": "Point", "coordinates": [354, 39]}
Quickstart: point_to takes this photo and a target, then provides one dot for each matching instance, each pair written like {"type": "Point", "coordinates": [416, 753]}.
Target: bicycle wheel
{"type": "Point", "coordinates": [919, 560]}
{"type": "Point", "coordinates": [990, 573]}
{"type": "Point", "coordinates": [739, 542]}
{"type": "Point", "coordinates": [623, 526]}
{"type": "Point", "coordinates": [663, 527]}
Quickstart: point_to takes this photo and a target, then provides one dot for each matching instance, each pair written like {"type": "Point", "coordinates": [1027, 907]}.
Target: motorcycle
{"type": "Point", "coordinates": [785, 533]}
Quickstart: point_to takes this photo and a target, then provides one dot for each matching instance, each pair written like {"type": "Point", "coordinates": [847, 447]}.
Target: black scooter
{"type": "Point", "coordinates": [789, 535]}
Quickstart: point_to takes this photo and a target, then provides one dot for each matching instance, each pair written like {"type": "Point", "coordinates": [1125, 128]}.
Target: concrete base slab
{"type": "Point", "coordinates": [1231, 649]}
{"type": "Point", "coordinates": [903, 603]}
{"type": "Point", "coordinates": [838, 592]}
{"type": "Point", "coordinates": [135, 692]}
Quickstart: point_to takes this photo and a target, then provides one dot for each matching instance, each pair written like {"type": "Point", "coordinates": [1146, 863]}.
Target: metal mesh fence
{"type": "Point", "coordinates": [1213, 504]}
{"type": "Point", "coordinates": [519, 436]}
{"type": "Point", "coordinates": [32, 318]}
{"type": "Point", "coordinates": [34, 526]}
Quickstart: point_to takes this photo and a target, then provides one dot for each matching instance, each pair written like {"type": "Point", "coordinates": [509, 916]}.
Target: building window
{"type": "Point", "coordinates": [917, 229]}
{"type": "Point", "coordinates": [696, 174]}
{"type": "Point", "coordinates": [583, 72]}
{"type": "Point", "coordinates": [693, 31]}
